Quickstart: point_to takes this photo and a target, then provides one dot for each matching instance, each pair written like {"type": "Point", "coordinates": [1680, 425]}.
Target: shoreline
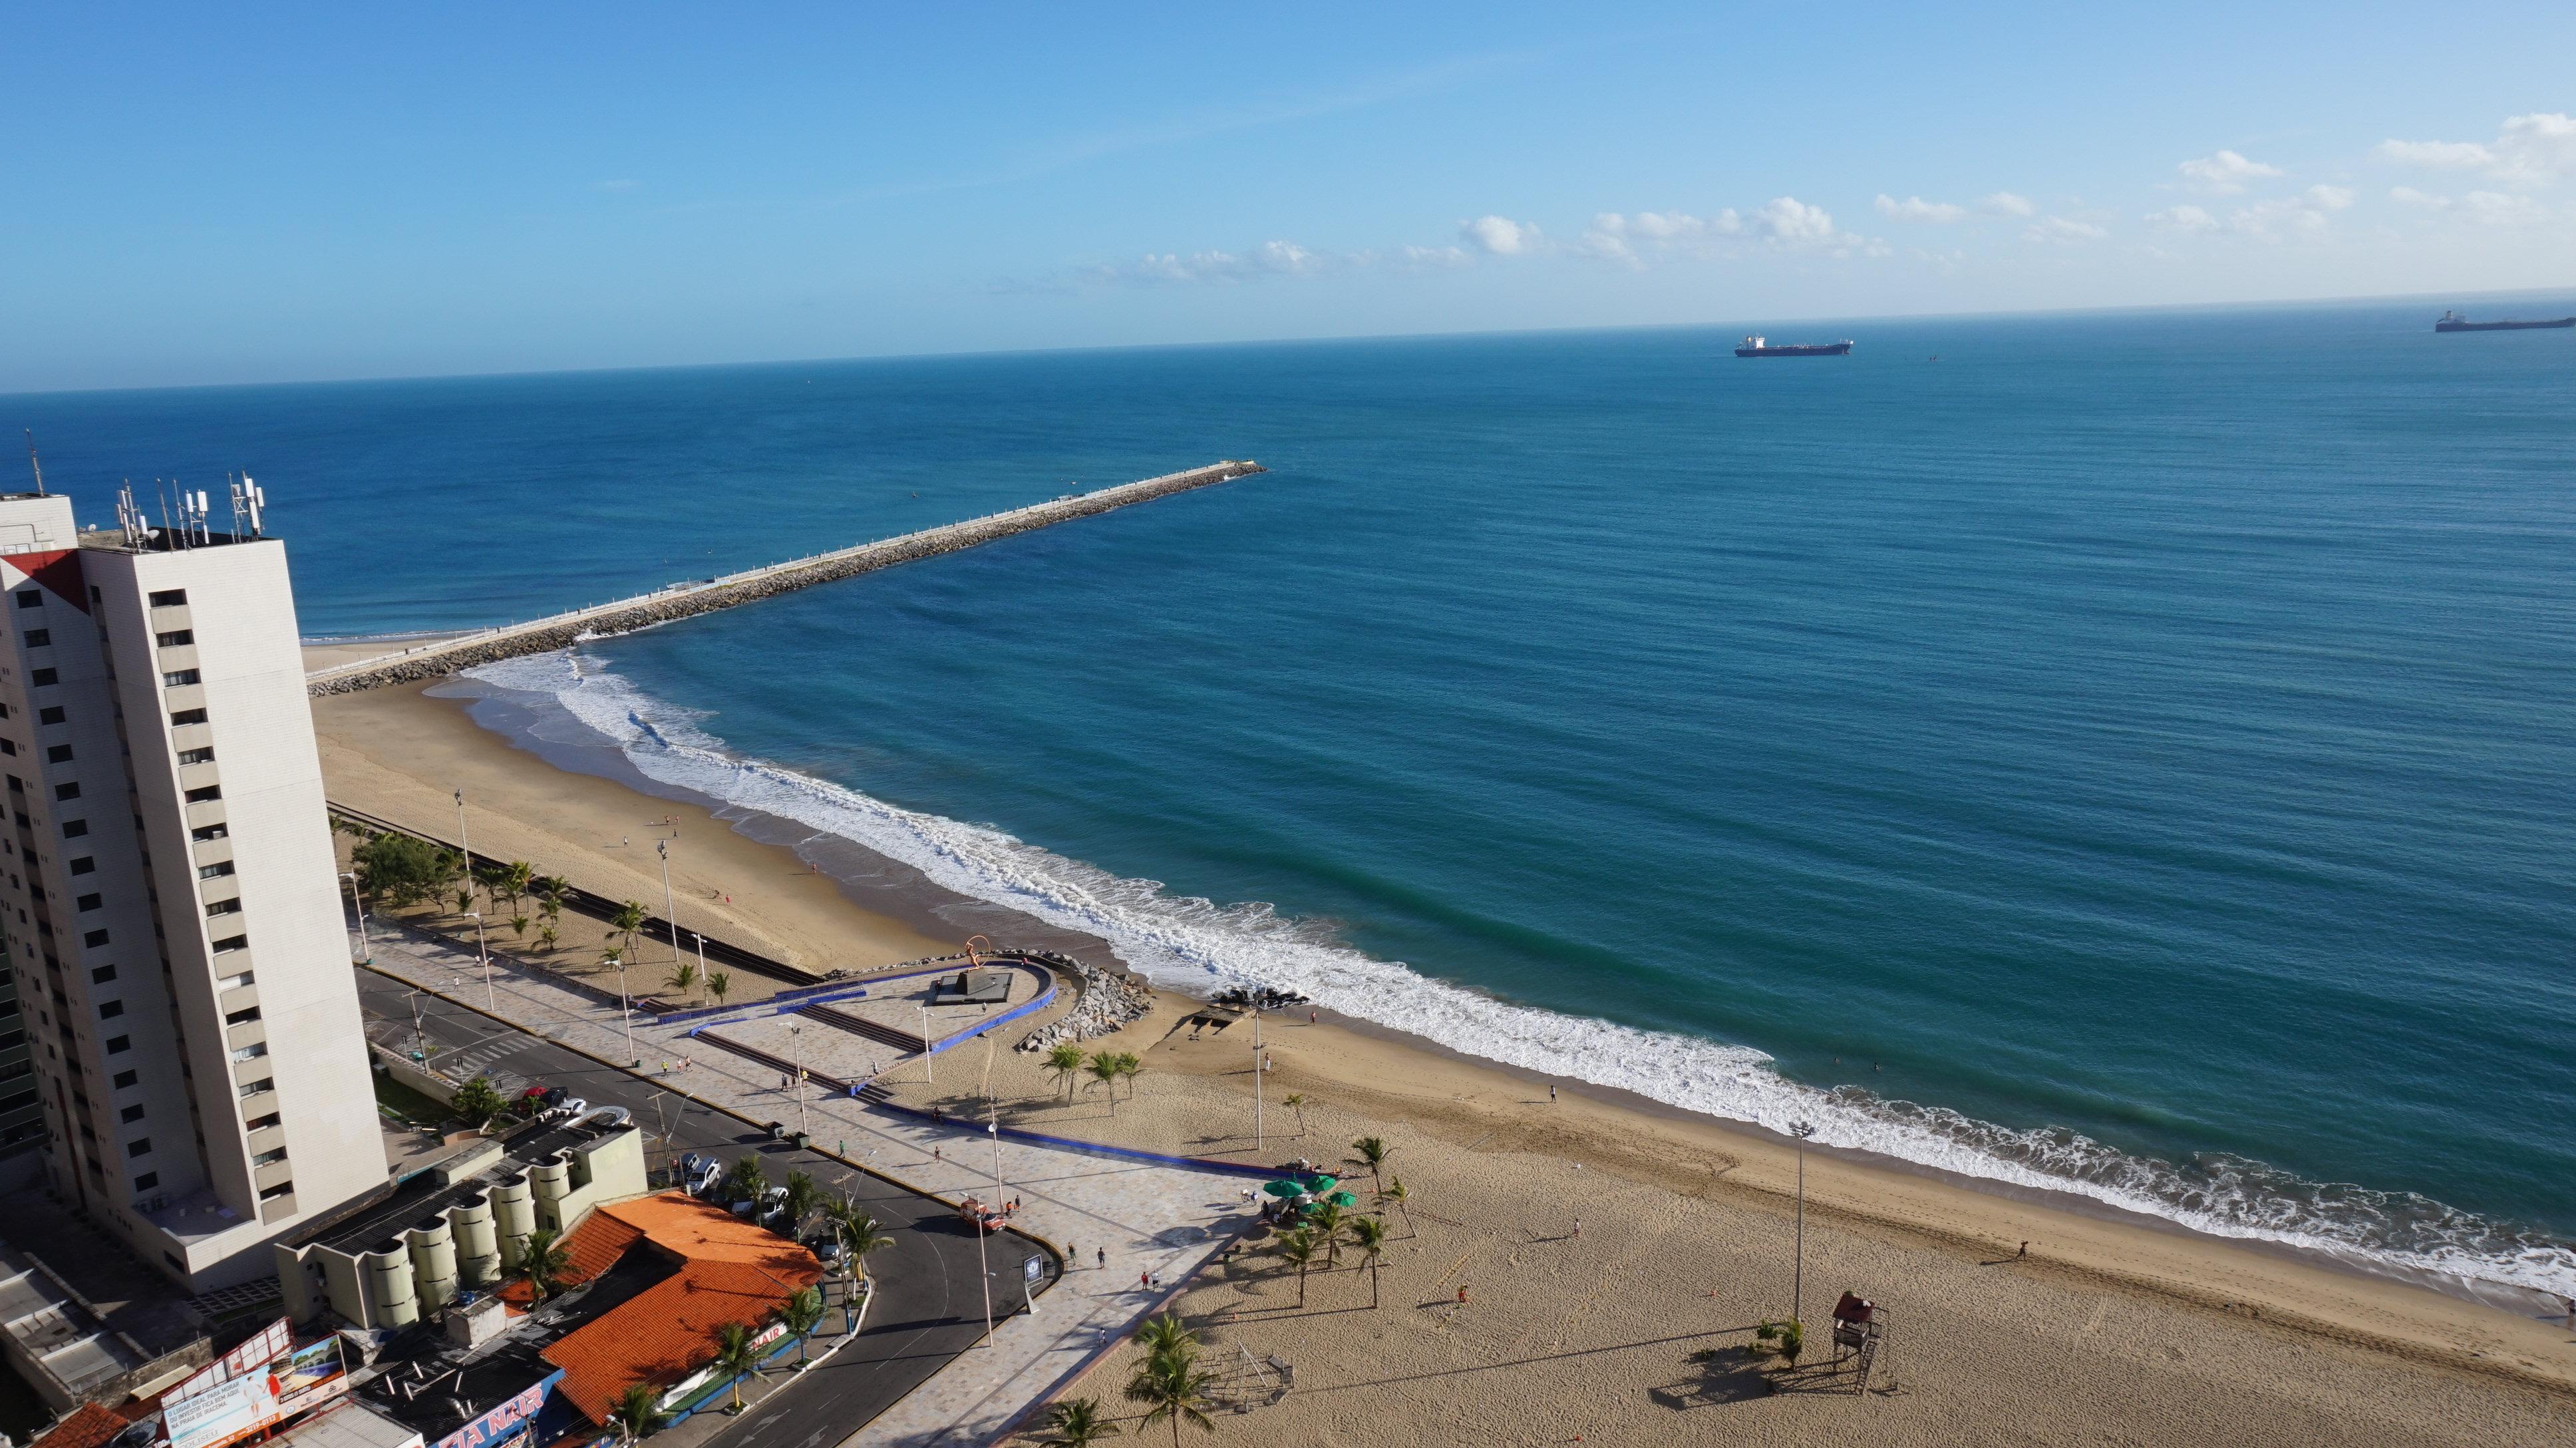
{"type": "Point", "coordinates": [866, 894]}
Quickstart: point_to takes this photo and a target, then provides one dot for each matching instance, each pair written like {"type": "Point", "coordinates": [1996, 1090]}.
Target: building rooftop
{"type": "Point", "coordinates": [729, 1271]}
{"type": "Point", "coordinates": [376, 1222]}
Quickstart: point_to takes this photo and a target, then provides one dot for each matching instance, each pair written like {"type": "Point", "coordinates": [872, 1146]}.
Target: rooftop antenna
{"type": "Point", "coordinates": [33, 463]}
{"type": "Point", "coordinates": [130, 517]}
{"type": "Point", "coordinates": [258, 505]}
{"type": "Point", "coordinates": [164, 491]}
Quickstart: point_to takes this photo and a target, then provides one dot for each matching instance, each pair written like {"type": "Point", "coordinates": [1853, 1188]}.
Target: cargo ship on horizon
{"type": "Point", "coordinates": [1761, 347]}
{"type": "Point", "coordinates": [2454, 322]}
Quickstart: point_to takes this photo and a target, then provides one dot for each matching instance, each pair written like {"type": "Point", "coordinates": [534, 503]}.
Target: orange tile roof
{"type": "Point", "coordinates": [594, 1247]}
{"type": "Point", "coordinates": [730, 1271]}
{"type": "Point", "coordinates": [88, 1426]}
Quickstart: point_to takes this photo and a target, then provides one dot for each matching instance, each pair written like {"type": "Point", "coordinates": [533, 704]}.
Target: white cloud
{"type": "Point", "coordinates": [2005, 203]}
{"type": "Point", "coordinates": [1500, 235]}
{"type": "Point", "coordinates": [1435, 258]}
{"type": "Point", "coordinates": [2225, 172]}
{"type": "Point", "coordinates": [1614, 237]}
{"type": "Point", "coordinates": [2537, 148]}
{"type": "Point", "coordinates": [1270, 259]}
{"type": "Point", "coordinates": [2409, 196]}
{"type": "Point", "coordinates": [1915, 208]}
{"type": "Point", "coordinates": [2183, 218]}
{"type": "Point", "coordinates": [1792, 222]}
{"type": "Point", "coordinates": [2063, 229]}
{"type": "Point", "coordinates": [2495, 208]}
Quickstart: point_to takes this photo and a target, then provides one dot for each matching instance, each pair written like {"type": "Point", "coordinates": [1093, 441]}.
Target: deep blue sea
{"type": "Point", "coordinates": [2131, 753]}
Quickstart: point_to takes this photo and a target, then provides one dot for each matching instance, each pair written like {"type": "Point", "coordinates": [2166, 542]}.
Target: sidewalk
{"type": "Point", "coordinates": [1162, 1219]}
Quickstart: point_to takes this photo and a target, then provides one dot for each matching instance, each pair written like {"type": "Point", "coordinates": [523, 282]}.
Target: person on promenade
{"type": "Point", "coordinates": [1104, 1259]}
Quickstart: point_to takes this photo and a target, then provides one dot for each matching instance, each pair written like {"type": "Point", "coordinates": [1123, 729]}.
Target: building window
{"type": "Point", "coordinates": [119, 1045]}
{"type": "Point", "coordinates": [169, 597]}
{"type": "Point", "coordinates": [38, 638]}
{"type": "Point", "coordinates": [102, 975]}
{"type": "Point", "coordinates": [40, 677]}
{"type": "Point", "coordinates": [31, 598]}
{"type": "Point", "coordinates": [215, 831]}
{"type": "Point", "coordinates": [177, 677]}
{"type": "Point", "coordinates": [67, 791]}
{"type": "Point", "coordinates": [188, 716]}
{"type": "Point", "coordinates": [87, 903]}
{"type": "Point", "coordinates": [242, 1017]}
{"type": "Point", "coordinates": [231, 943]}
{"type": "Point", "coordinates": [261, 1123]}
{"type": "Point", "coordinates": [84, 865]}
{"type": "Point", "coordinates": [74, 829]}
{"type": "Point", "coordinates": [147, 1181]}
{"type": "Point", "coordinates": [251, 1052]}
{"type": "Point", "coordinates": [139, 1146]}
{"type": "Point", "coordinates": [282, 1189]}
{"type": "Point", "coordinates": [111, 1010]}
{"type": "Point", "coordinates": [50, 714]}
{"type": "Point", "coordinates": [215, 871]}
{"type": "Point", "coordinates": [94, 938]}
{"type": "Point", "coordinates": [200, 796]}
{"type": "Point", "coordinates": [8, 746]}
{"type": "Point", "coordinates": [236, 982]}
{"type": "Point", "coordinates": [58, 754]}
{"type": "Point", "coordinates": [260, 1087]}
{"type": "Point", "coordinates": [197, 756]}
{"type": "Point", "coordinates": [123, 1080]}
{"type": "Point", "coordinates": [175, 637]}
{"type": "Point", "coordinates": [269, 1158]}
{"type": "Point", "coordinates": [223, 907]}
{"type": "Point", "coordinates": [131, 1113]}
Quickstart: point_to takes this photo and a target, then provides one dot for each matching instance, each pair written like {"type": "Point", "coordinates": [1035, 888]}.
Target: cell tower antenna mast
{"type": "Point", "coordinates": [32, 462]}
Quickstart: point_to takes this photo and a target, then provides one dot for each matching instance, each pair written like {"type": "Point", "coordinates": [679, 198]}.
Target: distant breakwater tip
{"type": "Point", "coordinates": [679, 601]}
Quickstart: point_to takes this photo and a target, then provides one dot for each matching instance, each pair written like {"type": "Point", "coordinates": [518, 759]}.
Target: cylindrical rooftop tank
{"type": "Point", "coordinates": [478, 1244]}
{"type": "Point", "coordinates": [433, 1263]}
{"type": "Point", "coordinates": [389, 1289]}
{"type": "Point", "coordinates": [514, 1216]}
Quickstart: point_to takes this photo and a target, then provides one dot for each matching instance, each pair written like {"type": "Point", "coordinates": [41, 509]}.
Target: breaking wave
{"type": "Point", "coordinates": [1197, 946]}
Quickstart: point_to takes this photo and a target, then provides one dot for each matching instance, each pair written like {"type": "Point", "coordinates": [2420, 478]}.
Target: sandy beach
{"type": "Point", "coordinates": [1497, 1321]}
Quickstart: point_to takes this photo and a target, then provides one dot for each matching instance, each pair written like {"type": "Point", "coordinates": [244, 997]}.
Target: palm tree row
{"type": "Point", "coordinates": [1326, 1226]}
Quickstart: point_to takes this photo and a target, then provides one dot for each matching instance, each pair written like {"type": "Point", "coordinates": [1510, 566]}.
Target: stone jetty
{"type": "Point", "coordinates": [685, 600]}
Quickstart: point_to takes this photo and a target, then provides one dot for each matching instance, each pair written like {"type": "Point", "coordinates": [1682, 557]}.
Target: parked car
{"type": "Point", "coordinates": [825, 1246]}
{"type": "Point", "coordinates": [699, 1173]}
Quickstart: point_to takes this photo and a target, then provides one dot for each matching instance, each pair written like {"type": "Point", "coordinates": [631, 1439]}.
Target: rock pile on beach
{"type": "Point", "coordinates": [1109, 1000]}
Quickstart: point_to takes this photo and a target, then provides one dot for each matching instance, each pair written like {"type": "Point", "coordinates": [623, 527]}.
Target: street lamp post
{"type": "Point", "coordinates": [670, 909]}
{"type": "Point", "coordinates": [1798, 1277]}
{"type": "Point", "coordinates": [796, 1042]}
{"type": "Point", "coordinates": [625, 1010]}
{"type": "Point", "coordinates": [1256, 1079]}
{"type": "Point", "coordinates": [485, 954]}
{"type": "Point", "coordinates": [925, 1045]}
{"type": "Point", "coordinates": [419, 1050]}
{"type": "Point", "coordinates": [702, 953]}
{"type": "Point", "coordinates": [360, 902]}
{"type": "Point", "coordinates": [463, 840]}
{"type": "Point", "coordinates": [993, 1128]}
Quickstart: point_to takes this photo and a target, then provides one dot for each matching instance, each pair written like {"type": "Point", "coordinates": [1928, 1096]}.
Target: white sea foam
{"type": "Point", "coordinates": [1197, 946]}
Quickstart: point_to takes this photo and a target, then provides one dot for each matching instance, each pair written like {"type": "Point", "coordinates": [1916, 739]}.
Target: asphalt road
{"type": "Point", "coordinates": [929, 1304]}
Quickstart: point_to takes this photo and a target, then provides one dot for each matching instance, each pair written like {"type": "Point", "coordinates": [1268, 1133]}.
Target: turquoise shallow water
{"type": "Point", "coordinates": [2131, 753]}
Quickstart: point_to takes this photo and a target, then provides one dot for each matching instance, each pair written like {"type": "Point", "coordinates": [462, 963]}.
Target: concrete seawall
{"type": "Point", "coordinates": [566, 629]}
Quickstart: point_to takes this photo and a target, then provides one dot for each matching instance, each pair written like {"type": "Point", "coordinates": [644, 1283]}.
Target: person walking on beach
{"type": "Point", "coordinates": [1551, 1093]}
{"type": "Point", "coordinates": [2024, 1252]}
{"type": "Point", "coordinates": [1104, 1258]}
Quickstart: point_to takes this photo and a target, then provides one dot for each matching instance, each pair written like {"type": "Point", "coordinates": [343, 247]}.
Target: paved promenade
{"type": "Point", "coordinates": [1146, 1218]}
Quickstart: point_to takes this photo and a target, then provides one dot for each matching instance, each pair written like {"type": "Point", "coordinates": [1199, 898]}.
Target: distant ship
{"type": "Point", "coordinates": [1760, 347]}
{"type": "Point", "coordinates": [2454, 322]}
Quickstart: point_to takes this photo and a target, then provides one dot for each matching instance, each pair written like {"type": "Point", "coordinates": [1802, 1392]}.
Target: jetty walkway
{"type": "Point", "coordinates": [563, 630]}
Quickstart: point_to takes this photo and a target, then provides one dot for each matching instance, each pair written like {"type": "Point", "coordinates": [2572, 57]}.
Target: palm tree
{"type": "Point", "coordinates": [1105, 1069]}
{"type": "Point", "coordinates": [1368, 1237]}
{"type": "Point", "coordinates": [511, 881]}
{"type": "Point", "coordinates": [1373, 1152]}
{"type": "Point", "coordinates": [1326, 1221]}
{"type": "Point", "coordinates": [627, 922]}
{"type": "Point", "coordinates": [1394, 1192]}
{"type": "Point", "coordinates": [637, 1412]}
{"type": "Point", "coordinates": [683, 977]}
{"type": "Point", "coordinates": [1064, 1061]}
{"type": "Point", "coordinates": [718, 983]}
{"type": "Point", "coordinates": [800, 1314]}
{"type": "Point", "coordinates": [1168, 1336]}
{"type": "Point", "coordinates": [746, 1181]}
{"type": "Point", "coordinates": [1175, 1388]}
{"type": "Point", "coordinates": [547, 935]}
{"type": "Point", "coordinates": [478, 1101]}
{"type": "Point", "coordinates": [519, 926]}
{"type": "Point", "coordinates": [736, 1358]}
{"type": "Point", "coordinates": [465, 896]}
{"type": "Point", "coordinates": [803, 1196]}
{"type": "Point", "coordinates": [542, 1264]}
{"type": "Point", "coordinates": [858, 1232]}
{"type": "Point", "coordinates": [1296, 1101]}
{"type": "Point", "coordinates": [1128, 1066]}
{"type": "Point", "coordinates": [1301, 1249]}
{"type": "Point", "coordinates": [1076, 1424]}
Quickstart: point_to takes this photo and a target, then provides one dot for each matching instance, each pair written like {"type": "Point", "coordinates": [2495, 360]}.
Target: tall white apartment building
{"type": "Point", "coordinates": [171, 898]}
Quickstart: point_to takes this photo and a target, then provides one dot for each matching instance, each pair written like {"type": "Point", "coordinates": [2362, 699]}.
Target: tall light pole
{"type": "Point", "coordinates": [485, 955]}
{"type": "Point", "coordinates": [360, 901]}
{"type": "Point", "coordinates": [625, 1010]}
{"type": "Point", "coordinates": [670, 911]}
{"type": "Point", "coordinates": [925, 1045]}
{"type": "Point", "coordinates": [463, 840]}
{"type": "Point", "coordinates": [796, 1043]}
{"type": "Point", "coordinates": [1256, 1079]}
{"type": "Point", "coordinates": [1798, 1278]}
{"type": "Point", "coordinates": [702, 952]}
{"type": "Point", "coordinates": [993, 1128]}
{"type": "Point", "coordinates": [419, 1050]}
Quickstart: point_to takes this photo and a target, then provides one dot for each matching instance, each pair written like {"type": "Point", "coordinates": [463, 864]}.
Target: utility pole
{"type": "Point", "coordinates": [670, 911]}
{"type": "Point", "coordinates": [796, 1043]}
{"type": "Point", "coordinates": [625, 1009]}
{"type": "Point", "coordinates": [419, 1050]}
{"type": "Point", "coordinates": [925, 1045]}
{"type": "Point", "coordinates": [1798, 1279]}
{"type": "Point", "coordinates": [1256, 1079]}
{"type": "Point", "coordinates": [702, 952]}
{"type": "Point", "coordinates": [486, 956]}
{"type": "Point", "coordinates": [464, 840]}
{"type": "Point", "coordinates": [360, 901]}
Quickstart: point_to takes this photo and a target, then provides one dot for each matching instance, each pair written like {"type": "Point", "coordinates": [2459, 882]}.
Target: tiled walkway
{"type": "Point", "coordinates": [1166, 1220]}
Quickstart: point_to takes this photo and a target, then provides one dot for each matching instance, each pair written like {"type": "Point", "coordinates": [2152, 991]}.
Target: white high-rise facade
{"type": "Point", "coordinates": [171, 898]}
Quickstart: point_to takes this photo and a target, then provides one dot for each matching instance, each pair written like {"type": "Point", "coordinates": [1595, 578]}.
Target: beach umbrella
{"type": "Point", "coordinates": [1317, 1182]}
{"type": "Point", "coordinates": [1283, 1188]}
{"type": "Point", "coordinates": [1343, 1199]}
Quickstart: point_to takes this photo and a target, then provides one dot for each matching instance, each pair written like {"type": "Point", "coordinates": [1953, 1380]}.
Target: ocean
{"type": "Point", "coordinates": [2129, 755]}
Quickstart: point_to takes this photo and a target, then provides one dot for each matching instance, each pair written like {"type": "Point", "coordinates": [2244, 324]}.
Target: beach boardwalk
{"type": "Point", "coordinates": [1147, 1217]}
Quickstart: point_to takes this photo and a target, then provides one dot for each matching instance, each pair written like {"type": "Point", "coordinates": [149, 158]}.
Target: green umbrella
{"type": "Point", "coordinates": [1343, 1199]}
{"type": "Point", "coordinates": [1317, 1182]}
{"type": "Point", "coordinates": [1283, 1188]}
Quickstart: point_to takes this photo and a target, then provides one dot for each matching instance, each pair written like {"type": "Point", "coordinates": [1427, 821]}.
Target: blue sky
{"type": "Point", "coordinates": [201, 195]}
